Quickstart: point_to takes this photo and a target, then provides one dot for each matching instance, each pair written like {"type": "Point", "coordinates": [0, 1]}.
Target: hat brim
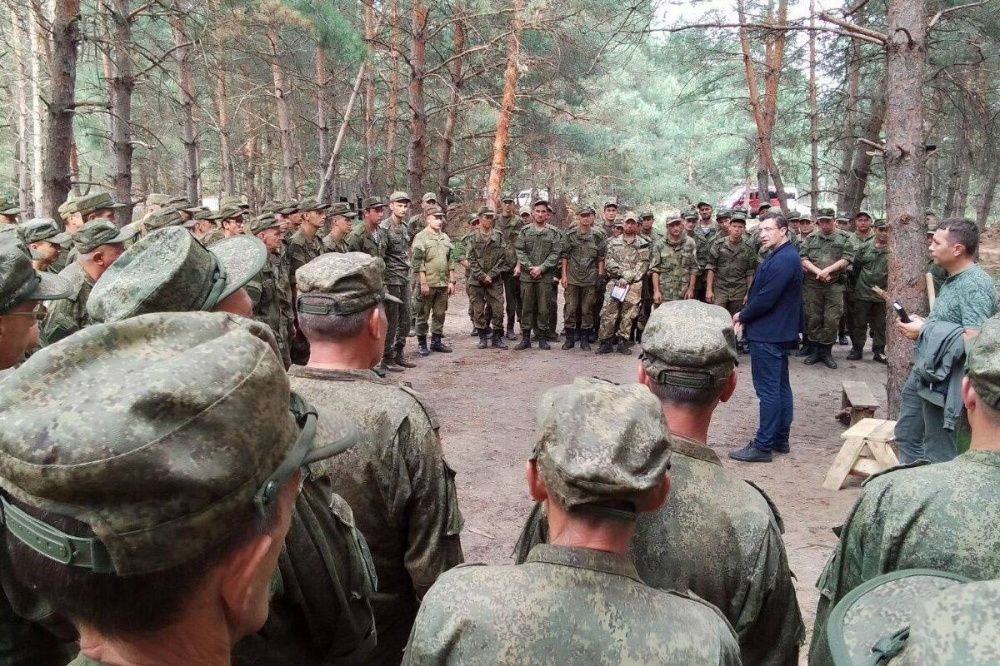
{"type": "Point", "coordinates": [400, 201]}
{"type": "Point", "coordinates": [703, 203]}
{"type": "Point", "coordinates": [50, 288]}
{"type": "Point", "coordinates": [242, 257]}
{"type": "Point", "coordinates": [11, 211]}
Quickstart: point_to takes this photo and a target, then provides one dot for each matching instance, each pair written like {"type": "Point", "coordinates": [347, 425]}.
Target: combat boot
{"type": "Point", "coordinates": [498, 342]}
{"type": "Point", "coordinates": [510, 333]}
{"type": "Point", "coordinates": [857, 351]}
{"type": "Point", "coordinates": [525, 339]}
{"type": "Point", "coordinates": [606, 346]}
{"type": "Point", "coordinates": [390, 365]}
{"type": "Point", "coordinates": [483, 341]}
{"type": "Point", "coordinates": [543, 340]}
{"type": "Point", "coordinates": [570, 339]}
{"type": "Point", "coordinates": [878, 354]}
{"type": "Point", "coordinates": [438, 346]}
{"type": "Point", "coordinates": [622, 347]}
{"type": "Point", "coordinates": [400, 360]}
{"type": "Point", "coordinates": [815, 353]}
{"type": "Point", "coordinates": [827, 357]}
{"type": "Point", "coordinates": [584, 338]}
{"type": "Point", "coordinates": [843, 341]}
{"type": "Point", "coordinates": [475, 332]}
{"type": "Point", "coordinates": [422, 345]}
{"type": "Point", "coordinates": [381, 370]}
{"type": "Point", "coordinates": [805, 350]}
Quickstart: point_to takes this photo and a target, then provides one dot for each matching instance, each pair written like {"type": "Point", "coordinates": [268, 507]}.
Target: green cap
{"type": "Point", "coordinates": [866, 622]}
{"type": "Point", "coordinates": [20, 282]}
{"type": "Point", "coordinates": [100, 232]}
{"type": "Point", "coordinates": [343, 209]}
{"type": "Point", "coordinates": [508, 198]}
{"type": "Point", "coordinates": [630, 217]}
{"type": "Point", "coordinates": [600, 442]}
{"type": "Point", "coordinates": [737, 215]}
{"type": "Point", "coordinates": [825, 214]}
{"type": "Point", "coordinates": [588, 210]}
{"type": "Point", "coordinates": [272, 206]}
{"type": "Point", "coordinates": [702, 203]}
{"type": "Point", "coordinates": [312, 204]}
{"type": "Point", "coordinates": [843, 216]}
{"type": "Point", "coordinates": [690, 344]}
{"type": "Point", "coordinates": [93, 202]}
{"type": "Point", "coordinates": [8, 207]}
{"type": "Point", "coordinates": [165, 217]}
{"type": "Point", "coordinates": [880, 223]}
{"type": "Point", "coordinates": [611, 204]}
{"type": "Point", "coordinates": [690, 215]}
{"type": "Point", "coordinates": [159, 199]}
{"type": "Point", "coordinates": [793, 216]}
{"type": "Point", "coordinates": [646, 213]}
{"type": "Point", "coordinates": [234, 201]}
{"type": "Point", "coordinates": [524, 211]}
{"type": "Point", "coordinates": [436, 211]}
{"type": "Point", "coordinates": [429, 197]}
{"type": "Point", "coordinates": [982, 365]}
{"type": "Point", "coordinates": [723, 213]}
{"type": "Point", "coordinates": [185, 428]}
{"type": "Point", "coordinates": [263, 223]}
{"type": "Point", "coordinates": [485, 210]}
{"type": "Point", "coordinates": [341, 284]}
{"type": "Point", "coordinates": [230, 213]}
{"type": "Point", "coordinates": [67, 208]}
{"type": "Point", "coordinates": [170, 271]}
{"type": "Point", "coordinates": [540, 201]}
{"type": "Point", "coordinates": [372, 202]}
{"type": "Point", "coordinates": [863, 212]}
{"type": "Point", "coordinates": [671, 221]}
{"type": "Point", "coordinates": [398, 196]}
{"type": "Point", "coordinates": [43, 229]}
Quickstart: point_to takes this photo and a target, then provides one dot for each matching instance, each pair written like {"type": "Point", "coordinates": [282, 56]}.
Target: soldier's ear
{"type": "Point", "coordinates": [536, 487]}
{"type": "Point", "coordinates": [729, 388]}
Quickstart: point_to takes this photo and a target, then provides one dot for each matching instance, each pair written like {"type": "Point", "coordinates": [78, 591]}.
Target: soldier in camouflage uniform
{"type": "Point", "coordinates": [826, 255]}
{"type": "Point", "coordinates": [871, 269]}
{"type": "Point", "coordinates": [236, 439]}
{"type": "Point", "coordinates": [860, 235]}
{"type": "Point", "coordinates": [488, 256]}
{"type": "Point", "coordinates": [582, 265]}
{"type": "Point", "coordinates": [417, 222]}
{"type": "Point", "coordinates": [98, 245]}
{"type": "Point", "coordinates": [368, 237]}
{"type": "Point", "coordinates": [731, 263]}
{"type": "Point", "coordinates": [937, 516]}
{"type": "Point", "coordinates": [397, 280]}
{"type": "Point", "coordinates": [626, 262]}
{"type": "Point", "coordinates": [509, 223]}
{"type": "Point", "coordinates": [396, 480]}
{"type": "Point", "coordinates": [45, 241]}
{"type": "Point", "coordinates": [203, 223]}
{"type": "Point", "coordinates": [600, 462]}
{"type": "Point", "coordinates": [271, 291]}
{"type": "Point", "coordinates": [304, 245]}
{"type": "Point", "coordinates": [434, 268]}
{"type": "Point", "coordinates": [674, 265]}
{"type": "Point", "coordinates": [341, 224]}
{"type": "Point", "coordinates": [652, 237]}
{"type": "Point", "coordinates": [717, 536]}
{"type": "Point", "coordinates": [538, 251]}
{"type": "Point", "coordinates": [9, 211]}
{"type": "Point", "coordinates": [705, 234]}
{"type": "Point", "coordinates": [460, 254]}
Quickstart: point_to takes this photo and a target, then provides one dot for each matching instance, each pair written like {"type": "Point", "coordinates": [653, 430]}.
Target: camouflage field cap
{"type": "Point", "coordinates": [690, 344]}
{"type": "Point", "coordinates": [618, 224]}
{"type": "Point", "coordinates": [690, 215]}
{"type": "Point", "coordinates": [487, 211]}
{"type": "Point", "coordinates": [343, 209]}
{"type": "Point", "coordinates": [43, 229]}
{"type": "Point", "coordinates": [631, 217]}
{"type": "Point", "coordinates": [263, 223]}
{"type": "Point", "coordinates": [588, 210]}
{"type": "Point", "coordinates": [93, 202]}
{"type": "Point", "coordinates": [872, 620]}
{"type": "Point", "coordinates": [825, 214]}
{"type": "Point", "coordinates": [703, 203]}
{"type": "Point", "coordinates": [170, 271]}
{"type": "Point", "coordinates": [880, 223]}
{"type": "Point", "coordinates": [524, 211]}
{"type": "Point", "coordinates": [67, 208]}
{"type": "Point", "coordinates": [372, 202]}
{"type": "Point", "coordinates": [188, 423]}
{"type": "Point", "coordinates": [158, 199]}
{"type": "Point", "coordinates": [272, 206]}
{"type": "Point", "coordinates": [508, 198]}
{"type": "Point", "coordinates": [429, 197]}
{"type": "Point", "coordinates": [398, 196]}
{"type": "Point", "coordinates": [611, 204]}
{"type": "Point", "coordinates": [844, 216]}
{"type": "Point", "coordinates": [203, 215]}
{"type": "Point", "coordinates": [738, 216]}
{"type": "Point", "coordinates": [646, 214]}
{"type": "Point", "coordinates": [765, 205]}
{"type": "Point", "coordinates": [676, 219]}
{"type": "Point", "coordinates": [234, 201]}
{"type": "Point", "coordinates": [931, 227]}
{"type": "Point", "coordinates": [230, 213]}
{"type": "Point", "coordinates": [982, 364]}
{"type": "Point", "coordinates": [19, 281]}
{"type": "Point", "coordinates": [793, 216]}
{"type": "Point", "coordinates": [540, 201]}
{"type": "Point", "coordinates": [341, 284]}
{"type": "Point", "coordinates": [100, 232]}
{"type": "Point", "coordinates": [600, 442]}
{"type": "Point", "coordinates": [165, 217]}
{"type": "Point", "coordinates": [310, 204]}
{"type": "Point", "coordinates": [436, 211]}
{"type": "Point", "coordinates": [865, 213]}
{"type": "Point", "coordinates": [8, 207]}
{"type": "Point", "coordinates": [723, 214]}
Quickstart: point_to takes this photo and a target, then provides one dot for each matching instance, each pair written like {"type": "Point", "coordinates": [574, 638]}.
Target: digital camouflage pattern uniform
{"type": "Point", "coordinates": [537, 247]}
{"type": "Point", "coordinates": [301, 250]}
{"type": "Point", "coordinates": [858, 242]}
{"type": "Point", "coordinates": [732, 267]}
{"type": "Point", "coordinates": [433, 254]}
{"type": "Point", "coordinates": [824, 302]}
{"type": "Point", "coordinates": [397, 283]}
{"type": "Point", "coordinates": [488, 256]}
{"type": "Point", "coordinates": [673, 264]}
{"type": "Point", "coordinates": [562, 605]}
{"type": "Point", "coordinates": [704, 237]}
{"type": "Point", "coordinates": [871, 267]}
{"type": "Point", "coordinates": [510, 227]}
{"type": "Point", "coordinates": [583, 253]}
{"type": "Point", "coordinates": [624, 261]}
{"type": "Point", "coordinates": [270, 291]}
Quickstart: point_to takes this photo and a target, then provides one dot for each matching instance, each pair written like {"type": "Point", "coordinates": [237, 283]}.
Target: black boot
{"type": "Point", "coordinates": [815, 353]}
{"type": "Point", "coordinates": [878, 354]}
{"type": "Point", "coordinates": [483, 340]}
{"type": "Point", "coordinates": [438, 346]}
{"type": "Point", "coordinates": [805, 351]}
{"type": "Point", "coordinates": [606, 346]}
{"type": "Point", "coordinates": [570, 339]}
{"type": "Point", "coordinates": [475, 332]}
{"type": "Point", "coordinates": [400, 360]}
{"type": "Point", "coordinates": [828, 357]}
{"type": "Point", "coordinates": [510, 333]}
{"type": "Point", "coordinates": [422, 345]}
{"type": "Point", "coordinates": [843, 341]}
{"type": "Point", "coordinates": [857, 351]}
{"type": "Point", "coordinates": [622, 347]}
{"type": "Point", "coordinates": [584, 337]}
{"type": "Point", "coordinates": [498, 342]}
{"type": "Point", "coordinates": [543, 340]}
{"type": "Point", "coordinates": [525, 339]}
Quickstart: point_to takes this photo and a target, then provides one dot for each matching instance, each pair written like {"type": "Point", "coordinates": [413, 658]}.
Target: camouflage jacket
{"type": "Point", "coordinates": [398, 484]}
{"type": "Point", "coordinates": [733, 266]}
{"type": "Point", "coordinates": [720, 538]}
{"type": "Point", "coordinates": [968, 298]}
{"type": "Point", "coordinates": [626, 261]}
{"type": "Point", "coordinates": [827, 249]}
{"type": "Point", "coordinates": [434, 254]}
{"type": "Point", "coordinates": [487, 254]}
{"type": "Point", "coordinates": [271, 295]}
{"type": "Point", "coordinates": [213, 236]}
{"type": "Point", "coordinates": [583, 253]}
{"type": "Point", "coordinates": [68, 315]}
{"type": "Point", "coordinates": [397, 250]}
{"type": "Point", "coordinates": [538, 247]}
{"type": "Point", "coordinates": [510, 227]}
{"type": "Point", "coordinates": [359, 240]}
{"type": "Point", "coordinates": [301, 251]}
{"type": "Point", "coordinates": [921, 516]}
{"type": "Point", "coordinates": [871, 269]}
{"type": "Point", "coordinates": [564, 606]}
{"type": "Point", "coordinates": [674, 263]}
{"type": "Point", "coordinates": [331, 245]}
{"type": "Point", "coordinates": [704, 237]}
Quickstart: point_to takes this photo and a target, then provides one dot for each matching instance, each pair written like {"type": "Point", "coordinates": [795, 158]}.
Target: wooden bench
{"type": "Point", "coordinates": [856, 402]}
{"type": "Point", "coordinates": [869, 448]}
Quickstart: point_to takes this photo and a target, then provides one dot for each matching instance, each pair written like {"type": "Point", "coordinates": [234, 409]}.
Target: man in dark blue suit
{"type": "Point", "coordinates": [771, 318]}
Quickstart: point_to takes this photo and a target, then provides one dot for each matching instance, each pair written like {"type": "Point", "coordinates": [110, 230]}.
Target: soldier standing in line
{"type": "Point", "coordinates": [731, 263]}
{"type": "Point", "coordinates": [826, 255]}
{"type": "Point", "coordinates": [45, 241]}
{"type": "Point", "coordinates": [553, 327]}
{"type": "Point", "coordinates": [487, 254]}
{"type": "Point", "coordinates": [861, 235]}
{"type": "Point", "coordinates": [434, 267]}
{"type": "Point", "coordinates": [509, 223]}
{"type": "Point", "coordinates": [271, 289]}
{"type": "Point", "coordinates": [341, 224]}
{"type": "Point", "coordinates": [607, 230]}
{"type": "Point", "coordinates": [582, 266]}
{"type": "Point", "coordinates": [626, 261]}
{"type": "Point", "coordinates": [673, 265]}
{"type": "Point", "coordinates": [538, 248]}
{"type": "Point", "coordinates": [303, 246]}
{"type": "Point", "coordinates": [397, 280]}
{"type": "Point", "coordinates": [871, 264]}
{"type": "Point", "coordinates": [690, 218]}
{"type": "Point", "coordinates": [461, 258]}
{"type": "Point", "coordinates": [368, 237]}
{"type": "Point", "coordinates": [704, 235]}
{"type": "Point", "coordinates": [647, 232]}
{"type": "Point", "coordinates": [417, 222]}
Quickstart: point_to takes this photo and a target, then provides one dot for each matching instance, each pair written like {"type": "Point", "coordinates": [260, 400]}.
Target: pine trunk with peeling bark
{"type": "Point", "coordinates": [228, 169]}
{"type": "Point", "coordinates": [122, 84]}
{"type": "Point", "coordinates": [905, 159]}
{"type": "Point", "coordinates": [454, 101]}
{"type": "Point", "coordinates": [368, 186]}
{"type": "Point", "coordinates": [848, 140]}
{"type": "Point", "coordinates": [987, 191]}
{"type": "Point", "coordinates": [22, 109]}
{"type": "Point", "coordinates": [861, 162]}
{"type": "Point", "coordinates": [60, 153]}
{"type": "Point", "coordinates": [189, 135]}
{"type": "Point", "coordinates": [322, 119]}
{"type": "Point", "coordinates": [813, 116]}
{"type": "Point", "coordinates": [35, 41]}
{"type": "Point", "coordinates": [416, 162]}
{"type": "Point", "coordinates": [284, 113]}
{"type": "Point", "coordinates": [392, 120]}
{"type": "Point", "coordinates": [501, 140]}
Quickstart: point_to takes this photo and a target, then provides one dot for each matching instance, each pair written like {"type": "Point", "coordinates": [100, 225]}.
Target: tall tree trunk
{"type": "Point", "coordinates": [813, 116]}
{"type": "Point", "coordinates": [904, 175]}
{"type": "Point", "coordinates": [36, 40]}
{"type": "Point", "coordinates": [60, 149]}
{"type": "Point", "coordinates": [322, 116]}
{"type": "Point", "coordinates": [849, 142]}
{"type": "Point", "coordinates": [281, 99]}
{"type": "Point", "coordinates": [987, 191]}
{"type": "Point", "coordinates": [455, 99]}
{"type": "Point", "coordinates": [501, 140]}
{"type": "Point", "coordinates": [326, 186]}
{"type": "Point", "coordinates": [368, 187]}
{"type": "Point", "coordinates": [22, 108]}
{"type": "Point", "coordinates": [228, 169]}
{"type": "Point", "coordinates": [417, 159]}
{"type": "Point", "coordinates": [188, 133]}
{"type": "Point", "coordinates": [122, 84]}
{"type": "Point", "coordinates": [861, 163]}
{"type": "Point", "coordinates": [392, 120]}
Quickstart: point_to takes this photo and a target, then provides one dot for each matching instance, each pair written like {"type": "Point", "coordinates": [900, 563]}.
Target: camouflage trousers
{"type": "Point", "coordinates": [847, 319]}
{"type": "Point", "coordinates": [398, 317]}
{"type": "Point", "coordinates": [824, 307]}
{"type": "Point", "coordinates": [486, 304]}
{"type": "Point", "coordinates": [554, 307]}
{"type": "Point", "coordinates": [599, 288]}
{"type": "Point", "coordinates": [536, 299]}
{"type": "Point", "coordinates": [579, 298]}
{"type": "Point", "coordinates": [512, 296]}
{"type": "Point", "coordinates": [732, 305]}
{"type": "Point", "coordinates": [432, 306]}
{"type": "Point", "coordinates": [865, 316]}
{"type": "Point", "coordinates": [646, 302]}
{"type": "Point", "coordinates": [617, 318]}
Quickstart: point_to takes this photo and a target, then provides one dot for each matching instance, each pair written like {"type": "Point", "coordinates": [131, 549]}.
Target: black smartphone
{"type": "Point", "coordinates": [901, 312]}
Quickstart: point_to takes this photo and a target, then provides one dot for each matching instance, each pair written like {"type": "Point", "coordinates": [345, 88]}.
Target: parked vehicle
{"type": "Point", "coordinates": [737, 198]}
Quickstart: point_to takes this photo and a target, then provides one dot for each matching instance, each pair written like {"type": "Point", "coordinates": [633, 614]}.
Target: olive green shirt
{"type": "Point", "coordinates": [487, 254]}
{"type": "Point", "coordinates": [510, 227]}
{"type": "Point", "coordinates": [433, 255]}
{"type": "Point", "coordinates": [538, 247]}
{"type": "Point", "coordinates": [732, 266]}
{"type": "Point", "coordinates": [674, 263]}
{"type": "Point", "coordinates": [359, 240]}
{"type": "Point", "coordinates": [827, 249]}
{"type": "Point", "coordinates": [331, 245]}
{"type": "Point", "coordinates": [583, 252]}
{"type": "Point", "coordinates": [397, 249]}
{"type": "Point", "coordinates": [301, 250]}
{"type": "Point", "coordinates": [871, 267]}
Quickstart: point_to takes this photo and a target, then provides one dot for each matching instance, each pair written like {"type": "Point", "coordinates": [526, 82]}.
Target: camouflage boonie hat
{"type": "Point", "coordinates": [600, 442]}
{"type": "Point", "coordinates": [982, 364]}
{"type": "Point", "coordinates": [880, 223]}
{"type": "Point", "coordinates": [341, 284]}
{"type": "Point", "coordinates": [170, 271]}
{"type": "Point", "coordinates": [689, 344]}
{"type": "Point", "coordinates": [233, 201]}
{"type": "Point", "coordinates": [8, 207]}
{"type": "Point", "coordinates": [263, 223]}
{"type": "Point", "coordinates": [372, 202]}
{"type": "Point", "coordinates": [93, 202]}
{"type": "Point", "coordinates": [187, 430]}
{"type": "Point", "coordinates": [867, 623]}
{"type": "Point", "coordinates": [100, 232]}
{"type": "Point", "coordinates": [487, 211]}
{"type": "Point", "coordinates": [825, 214]}
{"type": "Point", "coordinates": [398, 196]}
{"type": "Point", "coordinates": [429, 197]}
{"type": "Point", "coordinates": [19, 281]}
{"type": "Point", "coordinates": [343, 210]}
{"type": "Point", "coordinates": [43, 229]}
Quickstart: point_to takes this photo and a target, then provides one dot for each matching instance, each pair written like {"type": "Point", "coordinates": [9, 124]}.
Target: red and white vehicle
{"type": "Point", "coordinates": [744, 197]}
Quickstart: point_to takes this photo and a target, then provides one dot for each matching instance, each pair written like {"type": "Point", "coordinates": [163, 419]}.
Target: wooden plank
{"type": "Point", "coordinates": [843, 463]}
{"type": "Point", "coordinates": [883, 453]}
{"type": "Point", "coordinates": [880, 429]}
{"type": "Point", "coordinates": [866, 467]}
{"type": "Point", "coordinates": [858, 394]}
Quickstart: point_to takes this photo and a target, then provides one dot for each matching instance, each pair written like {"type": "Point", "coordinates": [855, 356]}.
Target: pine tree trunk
{"type": "Point", "coordinates": [322, 120]}
{"type": "Point", "coordinates": [987, 191]}
{"type": "Point", "coordinates": [904, 166]}
{"type": "Point", "coordinates": [22, 109]}
{"type": "Point", "coordinates": [848, 142]}
{"type": "Point", "coordinates": [226, 166]}
{"type": "Point", "coordinates": [188, 133]}
{"type": "Point", "coordinates": [281, 100]}
{"type": "Point", "coordinates": [451, 118]}
{"type": "Point", "coordinates": [368, 187]}
{"type": "Point", "coordinates": [34, 27]}
{"type": "Point", "coordinates": [417, 159]}
{"type": "Point", "coordinates": [501, 140]}
{"type": "Point", "coordinates": [861, 163]}
{"type": "Point", "coordinates": [813, 116]}
{"type": "Point", "coordinates": [122, 84]}
{"type": "Point", "coordinates": [392, 119]}
{"type": "Point", "coordinates": [60, 149]}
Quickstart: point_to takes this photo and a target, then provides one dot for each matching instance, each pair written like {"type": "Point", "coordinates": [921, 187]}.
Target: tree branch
{"type": "Point", "coordinates": [944, 12]}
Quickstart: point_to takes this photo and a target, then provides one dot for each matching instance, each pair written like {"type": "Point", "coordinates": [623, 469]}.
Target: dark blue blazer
{"type": "Point", "coordinates": [774, 307]}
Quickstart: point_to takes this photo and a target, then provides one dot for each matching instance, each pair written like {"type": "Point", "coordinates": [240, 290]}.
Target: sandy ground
{"type": "Point", "coordinates": [485, 400]}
